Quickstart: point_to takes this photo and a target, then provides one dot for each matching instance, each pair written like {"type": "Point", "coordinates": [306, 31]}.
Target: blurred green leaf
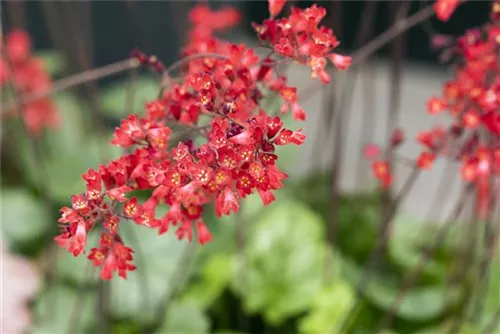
{"type": "Point", "coordinates": [184, 318]}
{"type": "Point", "coordinates": [157, 258]}
{"type": "Point", "coordinates": [215, 277]}
{"type": "Point", "coordinates": [358, 214]}
{"type": "Point", "coordinates": [59, 307]}
{"type": "Point", "coordinates": [419, 304]}
{"type": "Point", "coordinates": [68, 153]}
{"type": "Point", "coordinates": [70, 136]}
{"type": "Point", "coordinates": [283, 263]}
{"type": "Point", "coordinates": [24, 218]}
{"type": "Point", "coordinates": [329, 308]}
{"type": "Point", "coordinates": [114, 97]}
{"type": "Point", "coordinates": [493, 294]}
{"type": "Point", "coordinates": [406, 249]}
{"type": "Point", "coordinates": [54, 61]}
{"type": "Point", "coordinates": [446, 326]}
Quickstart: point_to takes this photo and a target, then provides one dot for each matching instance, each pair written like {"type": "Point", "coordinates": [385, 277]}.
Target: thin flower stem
{"type": "Point", "coordinates": [339, 119]}
{"type": "Point", "coordinates": [80, 299]}
{"type": "Point", "coordinates": [492, 325]}
{"type": "Point", "coordinates": [43, 181]}
{"type": "Point", "coordinates": [182, 266]}
{"type": "Point", "coordinates": [9, 107]}
{"type": "Point", "coordinates": [410, 279]}
{"type": "Point", "coordinates": [381, 40]}
{"type": "Point", "coordinates": [179, 63]}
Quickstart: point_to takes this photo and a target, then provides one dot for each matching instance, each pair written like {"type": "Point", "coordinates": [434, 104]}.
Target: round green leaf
{"type": "Point", "coordinates": [283, 262]}
{"type": "Point", "coordinates": [24, 218]}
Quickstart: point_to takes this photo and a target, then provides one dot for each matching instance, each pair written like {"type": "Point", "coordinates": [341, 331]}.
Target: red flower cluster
{"type": "Point", "coordinates": [217, 97]}
{"type": "Point", "coordinates": [27, 74]}
{"type": "Point", "coordinates": [299, 37]}
{"type": "Point", "coordinates": [472, 98]}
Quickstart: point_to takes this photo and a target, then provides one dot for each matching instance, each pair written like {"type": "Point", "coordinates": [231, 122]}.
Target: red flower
{"type": "Point", "coordinates": [267, 197]}
{"type": "Point", "coordinates": [78, 241]}
{"type": "Point", "coordinates": [382, 172]}
{"type": "Point", "coordinates": [204, 235]}
{"type": "Point", "coordinates": [445, 8]}
{"type": "Point", "coordinates": [18, 46]}
{"type": "Point", "coordinates": [185, 231]}
{"type": "Point", "coordinates": [341, 62]}
{"type": "Point", "coordinates": [435, 105]}
{"type": "Point", "coordinates": [132, 209]}
{"type": "Point", "coordinates": [425, 160]}
{"type": "Point", "coordinates": [226, 202]}
{"type": "Point", "coordinates": [276, 6]}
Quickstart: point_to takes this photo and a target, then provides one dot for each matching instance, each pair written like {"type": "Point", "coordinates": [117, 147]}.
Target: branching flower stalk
{"type": "Point", "coordinates": [219, 82]}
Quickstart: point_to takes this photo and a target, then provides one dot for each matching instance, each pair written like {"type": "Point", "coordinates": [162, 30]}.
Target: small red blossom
{"type": "Point", "coordinates": [276, 6]}
{"type": "Point", "coordinates": [445, 8]}
{"type": "Point", "coordinates": [425, 160]}
{"type": "Point", "coordinates": [382, 172]}
{"type": "Point", "coordinates": [435, 105]}
{"type": "Point", "coordinates": [204, 235]}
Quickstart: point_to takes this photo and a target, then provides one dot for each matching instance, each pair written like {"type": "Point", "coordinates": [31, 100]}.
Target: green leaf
{"type": "Point", "coordinates": [419, 303]}
{"type": "Point", "coordinates": [406, 249]}
{"type": "Point", "coordinates": [283, 263]}
{"type": "Point", "coordinates": [58, 308]}
{"type": "Point", "coordinates": [184, 318]}
{"type": "Point", "coordinates": [493, 296]}
{"type": "Point", "coordinates": [215, 277]}
{"type": "Point", "coordinates": [329, 308]}
{"type": "Point", "coordinates": [24, 217]}
{"type": "Point", "coordinates": [465, 328]}
{"type": "Point", "coordinates": [54, 61]}
{"type": "Point", "coordinates": [70, 136]}
{"type": "Point", "coordinates": [114, 97]}
{"type": "Point", "coordinates": [67, 153]}
{"type": "Point", "coordinates": [157, 258]}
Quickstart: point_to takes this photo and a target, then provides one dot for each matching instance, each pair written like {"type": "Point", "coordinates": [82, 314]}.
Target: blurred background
{"type": "Point", "coordinates": [294, 267]}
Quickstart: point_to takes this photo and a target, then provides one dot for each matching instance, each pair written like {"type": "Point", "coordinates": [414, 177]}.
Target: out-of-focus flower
{"type": "Point", "coordinates": [20, 282]}
{"type": "Point", "coordinates": [27, 75]}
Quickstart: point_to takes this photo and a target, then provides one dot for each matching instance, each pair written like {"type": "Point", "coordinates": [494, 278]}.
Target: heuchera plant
{"type": "Point", "coordinates": [472, 98]}
{"type": "Point", "coordinates": [27, 74]}
{"type": "Point", "coordinates": [224, 82]}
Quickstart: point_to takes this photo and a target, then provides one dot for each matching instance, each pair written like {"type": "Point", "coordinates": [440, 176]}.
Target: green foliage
{"type": "Point", "coordinates": [24, 218]}
{"type": "Point", "coordinates": [62, 310]}
{"type": "Point", "coordinates": [67, 153]}
{"type": "Point", "coordinates": [114, 98]}
{"type": "Point", "coordinates": [216, 274]}
{"type": "Point", "coordinates": [281, 285]}
{"type": "Point", "coordinates": [157, 258]}
{"type": "Point", "coordinates": [329, 308]}
{"type": "Point", "coordinates": [54, 61]}
{"type": "Point", "coordinates": [185, 318]}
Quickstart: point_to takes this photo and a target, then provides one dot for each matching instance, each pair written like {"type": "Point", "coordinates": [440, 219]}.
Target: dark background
{"type": "Point", "coordinates": [157, 27]}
